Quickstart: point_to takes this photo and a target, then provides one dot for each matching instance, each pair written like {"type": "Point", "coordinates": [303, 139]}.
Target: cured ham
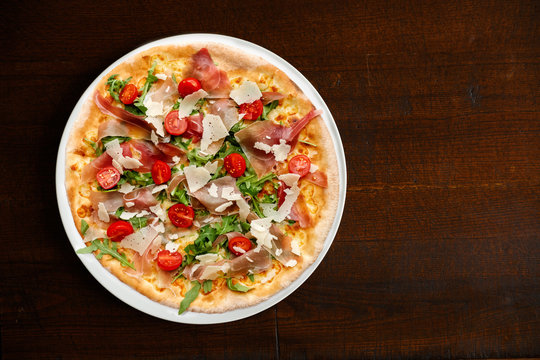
{"type": "Point", "coordinates": [111, 200]}
{"type": "Point", "coordinates": [106, 107]}
{"type": "Point", "coordinates": [141, 198]}
{"type": "Point", "coordinates": [215, 203]}
{"type": "Point", "coordinates": [144, 263]}
{"type": "Point", "coordinates": [115, 127]}
{"type": "Point", "coordinates": [269, 133]}
{"type": "Point", "coordinates": [195, 128]}
{"type": "Point", "coordinates": [254, 261]}
{"type": "Point", "coordinates": [269, 96]}
{"type": "Point", "coordinates": [214, 81]}
{"type": "Point", "coordinates": [318, 178]}
{"type": "Point", "coordinates": [227, 111]}
{"type": "Point", "coordinates": [281, 247]}
{"type": "Point", "coordinates": [299, 214]}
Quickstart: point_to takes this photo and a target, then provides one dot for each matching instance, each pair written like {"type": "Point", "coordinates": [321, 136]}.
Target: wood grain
{"type": "Point", "coordinates": [438, 252]}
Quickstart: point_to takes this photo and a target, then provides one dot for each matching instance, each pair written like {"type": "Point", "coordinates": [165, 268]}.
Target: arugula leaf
{"type": "Point", "coordinates": [237, 287]}
{"type": "Point", "coordinates": [150, 79]}
{"type": "Point", "coordinates": [174, 78]}
{"type": "Point", "coordinates": [196, 159]}
{"type": "Point", "coordinates": [201, 245]}
{"type": "Point", "coordinates": [176, 105]}
{"type": "Point", "coordinates": [178, 141]}
{"type": "Point", "coordinates": [237, 127]}
{"type": "Point", "coordinates": [116, 86]}
{"type": "Point", "coordinates": [201, 212]}
{"type": "Point", "coordinates": [267, 108]}
{"type": "Point", "coordinates": [161, 196]}
{"type": "Point", "coordinates": [250, 185]}
{"type": "Point", "coordinates": [207, 286]}
{"type": "Point", "coordinates": [97, 150]}
{"type": "Point", "coordinates": [251, 277]}
{"type": "Point", "coordinates": [180, 195]}
{"type": "Point", "coordinates": [134, 110]}
{"type": "Point", "coordinates": [105, 248]}
{"type": "Point", "coordinates": [119, 211]}
{"type": "Point", "coordinates": [139, 222]}
{"type": "Point", "coordinates": [227, 225]}
{"type": "Point", "coordinates": [307, 143]}
{"type": "Point", "coordinates": [136, 178]}
{"type": "Point", "coordinates": [191, 295]}
{"type": "Point", "coordinates": [84, 227]}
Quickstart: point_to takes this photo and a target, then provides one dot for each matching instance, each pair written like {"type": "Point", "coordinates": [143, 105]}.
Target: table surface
{"type": "Point", "coordinates": [438, 251]}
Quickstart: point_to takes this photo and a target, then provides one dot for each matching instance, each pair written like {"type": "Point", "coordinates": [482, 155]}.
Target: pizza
{"type": "Point", "coordinates": [201, 176]}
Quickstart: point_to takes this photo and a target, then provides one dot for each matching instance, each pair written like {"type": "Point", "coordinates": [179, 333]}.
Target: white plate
{"type": "Point", "coordinates": [131, 296]}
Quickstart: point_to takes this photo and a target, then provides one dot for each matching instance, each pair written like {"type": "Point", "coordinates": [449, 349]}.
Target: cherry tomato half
{"type": "Point", "coordinates": [300, 165]}
{"type": "Point", "coordinates": [174, 125]}
{"type": "Point", "coordinates": [119, 230]}
{"type": "Point", "coordinates": [161, 172]}
{"type": "Point", "coordinates": [188, 86]}
{"type": "Point", "coordinates": [234, 164]}
{"type": "Point", "coordinates": [239, 242]}
{"type": "Point", "coordinates": [168, 261]}
{"type": "Point", "coordinates": [181, 215]}
{"type": "Point", "coordinates": [252, 110]}
{"type": "Point", "coordinates": [128, 94]}
{"type": "Point", "coordinates": [108, 177]}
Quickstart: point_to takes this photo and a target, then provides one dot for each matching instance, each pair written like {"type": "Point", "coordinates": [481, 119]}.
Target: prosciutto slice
{"type": "Point", "coordinates": [255, 260]}
{"type": "Point", "coordinates": [106, 107]}
{"type": "Point", "coordinates": [299, 214]}
{"type": "Point", "coordinates": [227, 111]}
{"type": "Point", "coordinates": [214, 81]}
{"type": "Point", "coordinates": [111, 200]}
{"type": "Point", "coordinates": [269, 96]}
{"type": "Point", "coordinates": [318, 178]}
{"type": "Point", "coordinates": [115, 127]}
{"type": "Point", "coordinates": [213, 203]}
{"type": "Point", "coordinates": [141, 198]}
{"type": "Point", "coordinates": [144, 263]}
{"type": "Point", "coordinates": [281, 247]}
{"type": "Point", "coordinates": [269, 133]}
{"type": "Point", "coordinates": [195, 128]}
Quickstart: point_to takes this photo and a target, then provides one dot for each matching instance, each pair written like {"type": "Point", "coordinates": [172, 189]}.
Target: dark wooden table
{"type": "Point", "coordinates": [438, 254]}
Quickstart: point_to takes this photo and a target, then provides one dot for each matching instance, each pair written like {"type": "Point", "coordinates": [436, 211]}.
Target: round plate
{"type": "Point", "coordinates": [133, 297]}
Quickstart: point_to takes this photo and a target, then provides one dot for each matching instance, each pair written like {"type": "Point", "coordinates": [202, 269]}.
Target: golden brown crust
{"type": "Point", "coordinates": [322, 203]}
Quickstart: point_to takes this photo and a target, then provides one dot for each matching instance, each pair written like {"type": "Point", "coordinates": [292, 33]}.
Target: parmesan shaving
{"type": "Point", "coordinates": [247, 92]}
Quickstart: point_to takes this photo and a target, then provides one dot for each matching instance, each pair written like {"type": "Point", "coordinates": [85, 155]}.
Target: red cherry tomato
{"type": "Point", "coordinates": [161, 172]}
{"type": "Point", "coordinates": [252, 110]}
{"type": "Point", "coordinates": [234, 164]}
{"type": "Point", "coordinates": [119, 230]}
{"type": "Point", "coordinates": [188, 86]}
{"type": "Point", "coordinates": [168, 261]}
{"type": "Point", "coordinates": [128, 94]}
{"type": "Point", "coordinates": [239, 242]}
{"type": "Point", "coordinates": [300, 165]}
{"type": "Point", "coordinates": [108, 177]}
{"type": "Point", "coordinates": [281, 193]}
{"type": "Point", "coordinates": [174, 125]}
{"type": "Point", "coordinates": [181, 215]}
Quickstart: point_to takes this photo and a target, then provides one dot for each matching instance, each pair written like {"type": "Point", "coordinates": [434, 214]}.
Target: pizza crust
{"type": "Point", "coordinates": [238, 66]}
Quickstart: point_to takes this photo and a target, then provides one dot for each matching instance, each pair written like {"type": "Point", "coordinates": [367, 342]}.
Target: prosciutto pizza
{"type": "Point", "coordinates": [201, 176]}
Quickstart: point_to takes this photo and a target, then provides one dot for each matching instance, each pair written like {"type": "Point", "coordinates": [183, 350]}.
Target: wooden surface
{"type": "Point", "coordinates": [438, 254]}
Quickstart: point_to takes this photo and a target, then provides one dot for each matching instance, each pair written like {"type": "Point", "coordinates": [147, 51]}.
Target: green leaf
{"type": "Point", "coordinates": [84, 227]}
{"type": "Point", "coordinates": [136, 178]}
{"type": "Point", "coordinates": [97, 150]}
{"type": "Point", "coordinates": [196, 159]}
{"type": "Point", "coordinates": [106, 247]}
{"type": "Point", "coordinates": [134, 110]}
{"type": "Point", "coordinates": [251, 277]}
{"type": "Point", "coordinates": [150, 79]}
{"type": "Point", "coordinates": [139, 222]}
{"type": "Point", "coordinates": [307, 142]}
{"type": "Point", "coordinates": [174, 78]}
{"type": "Point", "coordinates": [207, 286]}
{"type": "Point", "coordinates": [179, 141]}
{"type": "Point", "coordinates": [267, 108]}
{"type": "Point", "coordinates": [191, 295]}
{"type": "Point", "coordinates": [237, 287]}
{"type": "Point", "coordinates": [180, 195]}
{"type": "Point", "coordinates": [116, 86]}
{"type": "Point", "coordinates": [237, 127]}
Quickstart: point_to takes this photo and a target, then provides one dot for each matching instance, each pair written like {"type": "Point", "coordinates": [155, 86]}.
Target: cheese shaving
{"type": "Point", "coordinates": [187, 105]}
{"type": "Point", "coordinates": [103, 215]}
{"type": "Point", "coordinates": [213, 130]}
{"type": "Point", "coordinates": [222, 207]}
{"type": "Point", "coordinates": [196, 177]}
{"type": "Point", "coordinates": [247, 92]}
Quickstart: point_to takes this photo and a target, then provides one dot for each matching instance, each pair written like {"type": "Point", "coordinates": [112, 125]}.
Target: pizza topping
{"type": "Point", "coordinates": [246, 93]}
{"type": "Point", "coordinates": [128, 94]}
{"type": "Point", "coordinates": [161, 172]}
{"type": "Point", "coordinates": [141, 198]}
{"type": "Point", "coordinates": [116, 152]}
{"type": "Point", "coordinates": [102, 212]}
{"type": "Point", "coordinates": [268, 97]}
{"type": "Point", "coordinates": [114, 127]}
{"type": "Point", "coordinates": [188, 103]}
{"type": "Point", "coordinates": [216, 205]}
{"type": "Point", "coordinates": [280, 150]}
{"type": "Point", "coordinates": [196, 177]}
{"type": "Point", "coordinates": [106, 107]}
{"type": "Point", "coordinates": [195, 127]}
{"type": "Point", "coordinates": [208, 258]}
{"type": "Point", "coordinates": [108, 177]}
{"type": "Point", "coordinates": [169, 261]}
{"type": "Point", "coordinates": [317, 177]}
{"type": "Point", "coordinates": [181, 215]}
{"type": "Point", "coordinates": [300, 165]}
{"type": "Point", "coordinates": [213, 80]}
{"type": "Point", "coordinates": [235, 165]}
{"type": "Point", "coordinates": [119, 230]}
{"type": "Point", "coordinates": [239, 245]}
{"type": "Point", "coordinates": [139, 240]}
{"type": "Point", "coordinates": [226, 110]}
{"type": "Point", "coordinates": [174, 124]}
{"type": "Point", "coordinates": [213, 130]}
{"type": "Point", "coordinates": [251, 111]}
{"type": "Point", "coordinates": [188, 86]}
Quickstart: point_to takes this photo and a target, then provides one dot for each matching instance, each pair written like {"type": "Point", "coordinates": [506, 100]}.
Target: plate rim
{"type": "Point", "coordinates": [129, 295]}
